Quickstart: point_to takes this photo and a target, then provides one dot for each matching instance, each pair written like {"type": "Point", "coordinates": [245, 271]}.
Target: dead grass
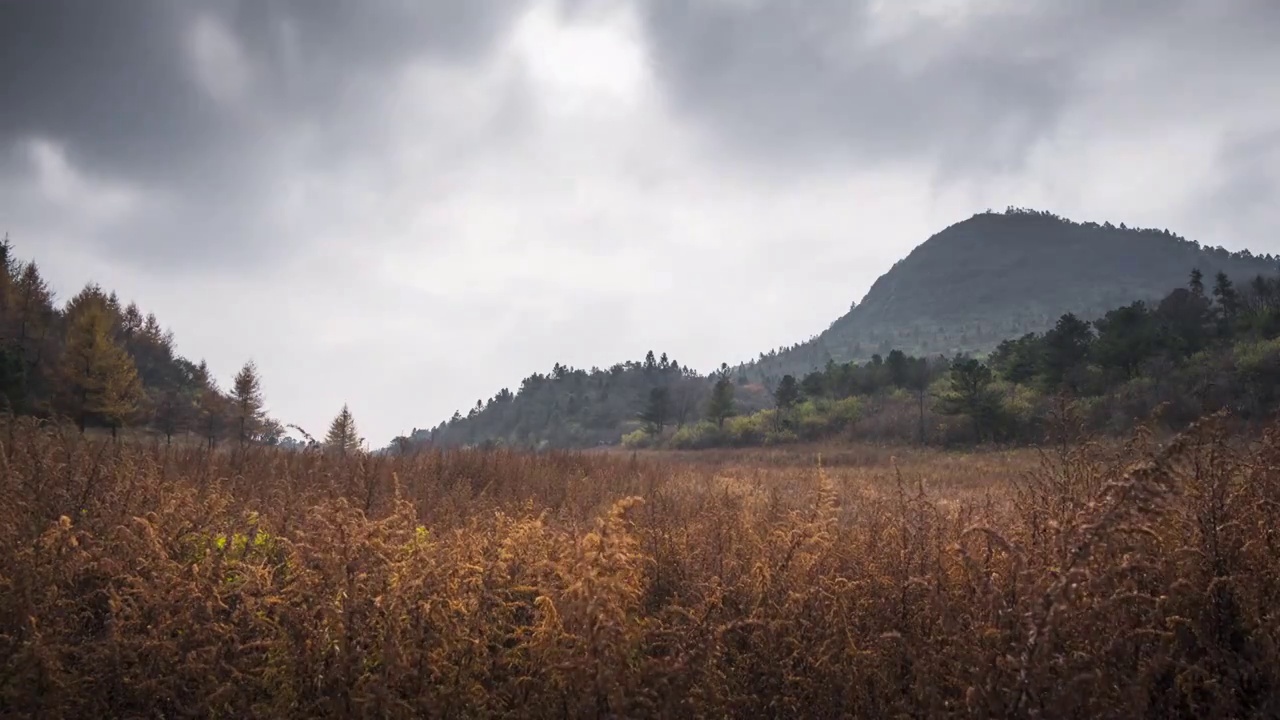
{"type": "Point", "coordinates": [1085, 581]}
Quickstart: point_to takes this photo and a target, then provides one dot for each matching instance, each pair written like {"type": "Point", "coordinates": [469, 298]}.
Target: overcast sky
{"type": "Point", "coordinates": [409, 205]}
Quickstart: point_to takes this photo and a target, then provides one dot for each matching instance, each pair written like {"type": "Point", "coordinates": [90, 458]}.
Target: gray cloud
{"type": "Point", "coordinates": [1242, 201]}
{"type": "Point", "coordinates": [810, 81]}
{"type": "Point", "coordinates": [203, 106]}
{"type": "Point", "coordinates": [834, 82]}
{"type": "Point", "coordinates": [115, 82]}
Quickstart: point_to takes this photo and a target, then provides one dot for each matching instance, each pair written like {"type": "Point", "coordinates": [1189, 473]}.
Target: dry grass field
{"type": "Point", "coordinates": [1085, 581]}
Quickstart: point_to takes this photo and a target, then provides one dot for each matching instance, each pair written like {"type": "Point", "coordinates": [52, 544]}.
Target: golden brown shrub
{"type": "Point", "coordinates": [1084, 581]}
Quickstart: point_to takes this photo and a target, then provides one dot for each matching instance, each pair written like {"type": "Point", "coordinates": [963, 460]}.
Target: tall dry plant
{"type": "Point", "coordinates": [1091, 580]}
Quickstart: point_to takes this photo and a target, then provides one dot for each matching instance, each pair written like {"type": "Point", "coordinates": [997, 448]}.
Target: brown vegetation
{"type": "Point", "coordinates": [143, 581]}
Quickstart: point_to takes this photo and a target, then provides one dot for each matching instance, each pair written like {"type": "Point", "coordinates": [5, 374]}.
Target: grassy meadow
{"type": "Point", "coordinates": [1083, 580]}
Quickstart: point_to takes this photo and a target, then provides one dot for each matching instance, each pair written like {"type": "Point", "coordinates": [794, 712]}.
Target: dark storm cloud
{"type": "Point", "coordinates": [113, 84]}
{"type": "Point", "coordinates": [104, 78]}
{"type": "Point", "coordinates": [112, 79]}
{"type": "Point", "coordinates": [810, 82]}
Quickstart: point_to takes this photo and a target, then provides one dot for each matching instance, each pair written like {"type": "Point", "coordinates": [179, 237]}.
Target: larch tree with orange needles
{"type": "Point", "coordinates": [99, 382]}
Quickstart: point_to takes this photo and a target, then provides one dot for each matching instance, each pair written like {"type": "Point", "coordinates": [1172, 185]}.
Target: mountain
{"type": "Point", "coordinates": [989, 278]}
{"type": "Point", "coordinates": [1000, 275]}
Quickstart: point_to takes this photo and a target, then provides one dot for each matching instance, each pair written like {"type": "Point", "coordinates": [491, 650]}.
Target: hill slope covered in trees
{"type": "Point", "coordinates": [996, 276]}
{"type": "Point", "coordinates": [979, 282]}
{"type": "Point", "coordinates": [575, 408]}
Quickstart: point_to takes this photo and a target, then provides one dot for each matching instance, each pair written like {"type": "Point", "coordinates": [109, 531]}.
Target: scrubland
{"type": "Point", "coordinates": [1124, 580]}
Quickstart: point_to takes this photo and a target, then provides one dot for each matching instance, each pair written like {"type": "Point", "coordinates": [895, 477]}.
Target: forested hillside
{"type": "Point", "coordinates": [101, 363]}
{"type": "Point", "coordinates": [996, 276]}
{"type": "Point", "coordinates": [984, 281]}
{"type": "Point", "coordinates": [1197, 351]}
{"type": "Point", "coordinates": [572, 407]}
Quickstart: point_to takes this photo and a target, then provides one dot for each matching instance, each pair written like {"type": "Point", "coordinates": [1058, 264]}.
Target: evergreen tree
{"type": "Point", "coordinates": [33, 305]}
{"type": "Point", "coordinates": [1197, 282]}
{"type": "Point", "coordinates": [99, 382]}
{"type": "Point", "coordinates": [918, 381]}
{"type": "Point", "coordinates": [969, 393]}
{"type": "Point", "coordinates": [211, 406]}
{"type": "Point", "coordinates": [30, 325]}
{"type": "Point", "coordinates": [787, 394]}
{"type": "Point", "coordinates": [1184, 322]}
{"type": "Point", "coordinates": [342, 437]}
{"type": "Point", "coordinates": [1127, 336]}
{"type": "Point", "coordinates": [898, 367]}
{"type": "Point", "coordinates": [657, 410]}
{"type": "Point", "coordinates": [1019, 360]}
{"type": "Point", "coordinates": [1228, 302]}
{"type": "Point", "coordinates": [1066, 348]}
{"type": "Point", "coordinates": [8, 277]}
{"type": "Point", "coordinates": [8, 264]}
{"type": "Point", "coordinates": [814, 385]}
{"type": "Point", "coordinates": [720, 407]}
{"type": "Point", "coordinates": [13, 380]}
{"type": "Point", "coordinates": [246, 396]}
{"type": "Point", "coordinates": [214, 414]}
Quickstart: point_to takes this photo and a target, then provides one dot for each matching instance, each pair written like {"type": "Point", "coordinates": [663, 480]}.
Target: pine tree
{"type": "Point", "coordinates": [33, 305]}
{"type": "Point", "coordinates": [1228, 302]}
{"type": "Point", "coordinates": [9, 270]}
{"type": "Point", "coordinates": [1066, 351]}
{"type": "Point", "coordinates": [246, 396]}
{"type": "Point", "coordinates": [657, 410]}
{"type": "Point", "coordinates": [787, 394]}
{"type": "Point", "coordinates": [918, 380]}
{"type": "Point", "coordinates": [99, 380]}
{"type": "Point", "coordinates": [969, 393]}
{"type": "Point", "coordinates": [1197, 282]}
{"type": "Point", "coordinates": [720, 408]}
{"type": "Point", "coordinates": [898, 367]}
{"type": "Point", "coordinates": [29, 324]}
{"type": "Point", "coordinates": [342, 437]}
{"type": "Point", "coordinates": [209, 405]}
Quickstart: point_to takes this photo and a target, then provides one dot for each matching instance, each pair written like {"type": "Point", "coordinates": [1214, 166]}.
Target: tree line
{"type": "Point", "coordinates": [574, 407]}
{"type": "Point", "coordinates": [102, 364]}
{"type": "Point", "coordinates": [1194, 352]}
{"type": "Point", "coordinates": [1197, 350]}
